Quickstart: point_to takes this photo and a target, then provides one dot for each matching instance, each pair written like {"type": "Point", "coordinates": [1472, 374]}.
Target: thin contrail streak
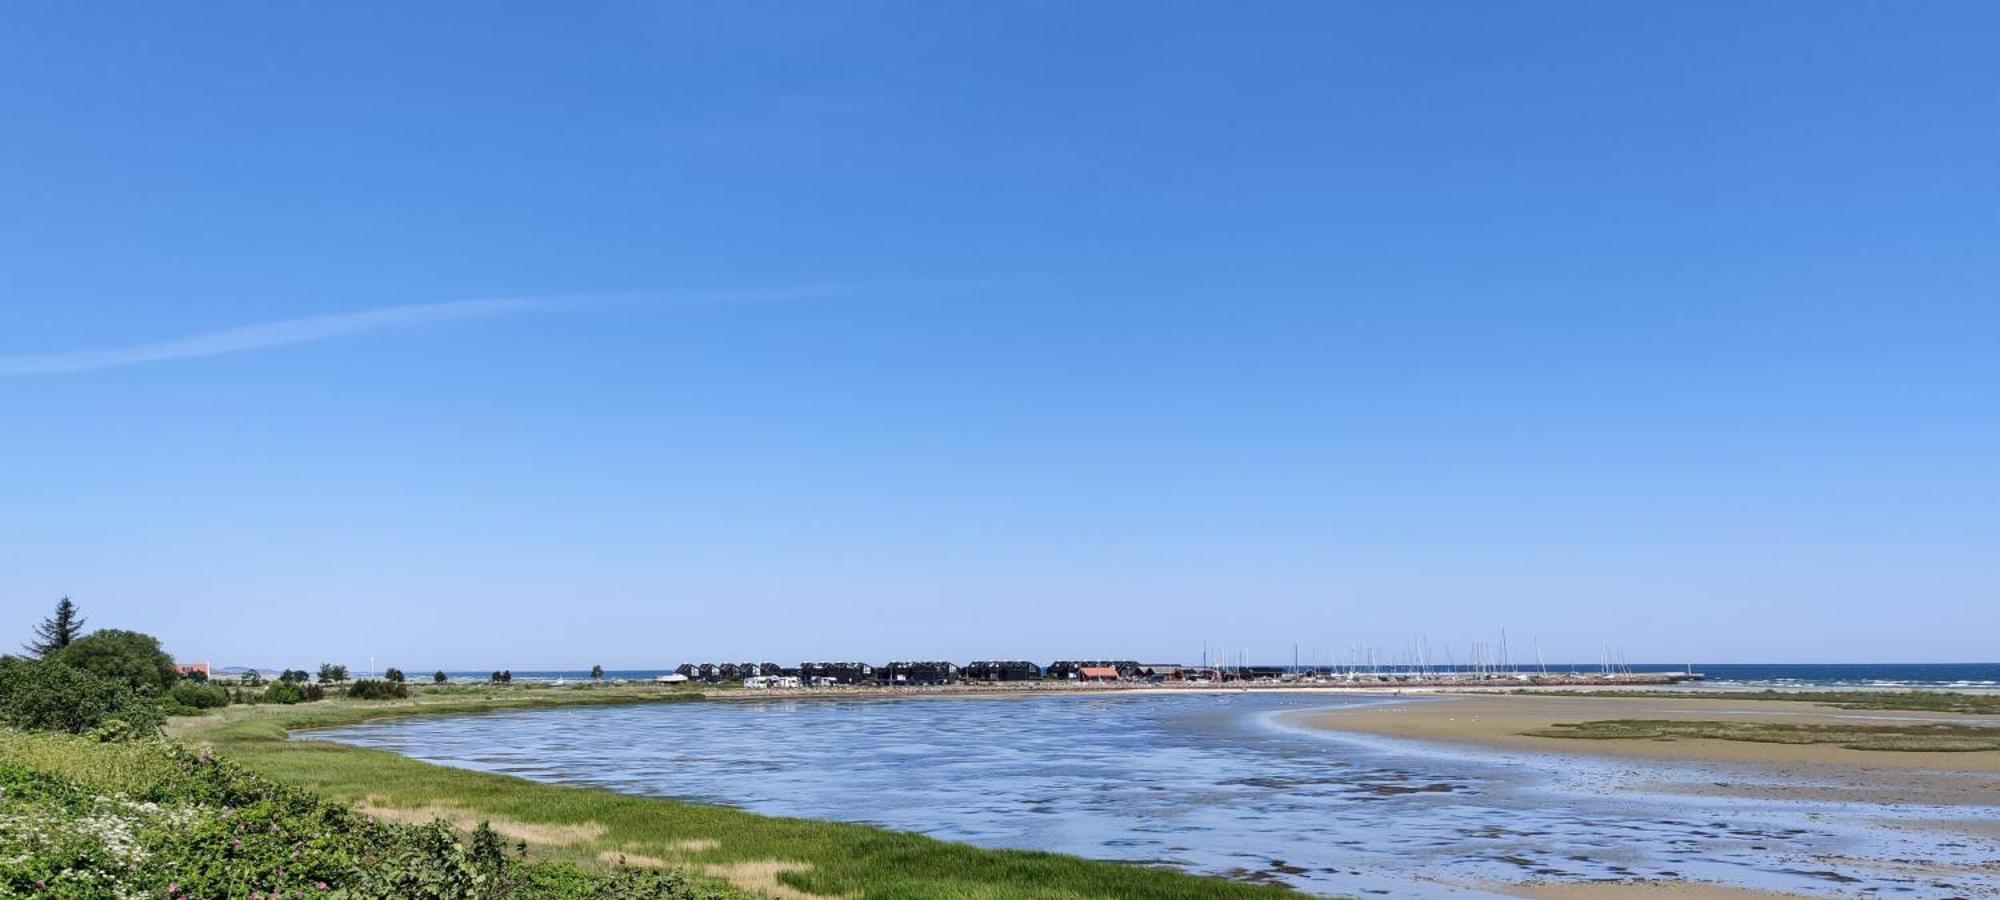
{"type": "Point", "coordinates": [319, 328]}
{"type": "Point", "coordinates": [269, 334]}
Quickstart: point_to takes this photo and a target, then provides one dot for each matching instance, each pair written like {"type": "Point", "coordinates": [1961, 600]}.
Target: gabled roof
{"type": "Point", "coordinates": [1099, 672]}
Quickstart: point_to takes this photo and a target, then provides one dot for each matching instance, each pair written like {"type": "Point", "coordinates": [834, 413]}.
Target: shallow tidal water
{"type": "Point", "coordinates": [1216, 784]}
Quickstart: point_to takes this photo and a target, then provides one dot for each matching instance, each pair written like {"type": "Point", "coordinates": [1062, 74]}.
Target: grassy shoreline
{"type": "Point", "coordinates": [781, 857]}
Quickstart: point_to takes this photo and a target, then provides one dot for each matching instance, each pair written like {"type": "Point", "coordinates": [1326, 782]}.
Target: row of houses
{"type": "Point", "coordinates": [729, 671]}
{"type": "Point", "coordinates": [935, 672]}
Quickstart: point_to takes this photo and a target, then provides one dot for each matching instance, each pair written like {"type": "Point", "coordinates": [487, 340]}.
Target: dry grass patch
{"type": "Point", "coordinates": [633, 856]}
{"type": "Point", "coordinates": [633, 860]}
{"type": "Point", "coordinates": [761, 876]}
{"type": "Point", "coordinates": [465, 819]}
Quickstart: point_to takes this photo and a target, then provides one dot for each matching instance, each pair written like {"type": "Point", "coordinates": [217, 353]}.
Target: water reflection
{"type": "Point", "coordinates": [1206, 783]}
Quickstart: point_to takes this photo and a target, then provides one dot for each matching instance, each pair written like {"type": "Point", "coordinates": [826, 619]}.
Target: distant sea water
{"type": "Point", "coordinates": [1842, 675]}
{"type": "Point", "coordinates": [1961, 676]}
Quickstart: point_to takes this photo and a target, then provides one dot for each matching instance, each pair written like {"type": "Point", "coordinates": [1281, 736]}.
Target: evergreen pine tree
{"type": "Point", "coordinates": [56, 631]}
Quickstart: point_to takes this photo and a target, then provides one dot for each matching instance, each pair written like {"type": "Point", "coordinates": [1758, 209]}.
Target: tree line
{"type": "Point", "coordinates": [114, 683]}
{"type": "Point", "coordinates": [117, 681]}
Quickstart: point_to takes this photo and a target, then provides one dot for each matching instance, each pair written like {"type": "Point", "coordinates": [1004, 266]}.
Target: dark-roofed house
{"type": "Point", "coordinates": [818, 673]}
{"type": "Point", "coordinates": [1002, 670]}
{"type": "Point", "coordinates": [710, 672]}
{"type": "Point", "coordinates": [928, 672]}
{"type": "Point", "coordinates": [1261, 673]}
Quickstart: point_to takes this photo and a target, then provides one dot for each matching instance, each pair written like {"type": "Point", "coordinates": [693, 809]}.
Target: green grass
{"type": "Point", "coordinates": [845, 859]}
{"type": "Point", "coordinates": [82, 818]}
{"type": "Point", "coordinates": [1926, 701]}
{"type": "Point", "coordinates": [118, 768]}
{"type": "Point", "coordinates": [1915, 737]}
{"type": "Point", "coordinates": [428, 700]}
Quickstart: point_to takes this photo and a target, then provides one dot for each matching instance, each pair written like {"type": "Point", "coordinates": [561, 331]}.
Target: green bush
{"type": "Point", "coordinates": [126, 656]}
{"type": "Point", "coordinates": [181, 824]}
{"type": "Point", "coordinates": [198, 695]}
{"type": "Point", "coordinates": [377, 689]}
{"type": "Point", "coordinates": [52, 696]}
{"type": "Point", "coordinates": [286, 692]}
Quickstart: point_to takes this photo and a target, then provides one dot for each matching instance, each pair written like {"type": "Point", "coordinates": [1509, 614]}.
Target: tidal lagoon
{"type": "Point", "coordinates": [1233, 784]}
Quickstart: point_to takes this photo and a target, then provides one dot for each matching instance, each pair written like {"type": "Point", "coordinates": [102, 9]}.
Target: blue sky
{"type": "Point", "coordinates": [493, 334]}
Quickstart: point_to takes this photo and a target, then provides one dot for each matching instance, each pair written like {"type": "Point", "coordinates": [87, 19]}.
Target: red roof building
{"type": "Point", "coordinates": [1098, 673]}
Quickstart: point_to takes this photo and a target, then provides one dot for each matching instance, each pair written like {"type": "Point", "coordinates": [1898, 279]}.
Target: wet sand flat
{"type": "Point", "coordinates": [1877, 783]}
{"type": "Point", "coordinates": [1801, 772]}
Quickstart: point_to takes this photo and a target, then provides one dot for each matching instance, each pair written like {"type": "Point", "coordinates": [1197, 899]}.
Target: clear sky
{"type": "Point", "coordinates": [527, 335]}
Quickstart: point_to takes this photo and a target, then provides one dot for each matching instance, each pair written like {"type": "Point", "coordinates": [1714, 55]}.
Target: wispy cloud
{"type": "Point", "coordinates": [272, 334]}
{"type": "Point", "coordinates": [320, 328]}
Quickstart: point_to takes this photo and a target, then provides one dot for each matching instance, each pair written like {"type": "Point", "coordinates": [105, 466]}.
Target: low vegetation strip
{"type": "Point", "coordinates": [1924, 701]}
{"type": "Point", "coordinates": [1915, 737]}
{"type": "Point", "coordinates": [424, 701]}
{"type": "Point", "coordinates": [82, 818]}
{"type": "Point", "coordinates": [96, 802]}
{"type": "Point", "coordinates": [760, 854]}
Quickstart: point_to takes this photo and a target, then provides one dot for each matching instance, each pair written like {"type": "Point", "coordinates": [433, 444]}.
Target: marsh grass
{"type": "Point", "coordinates": [119, 768]}
{"type": "Point", "coordinates": [1915, 737]}
{"type": "Point", "coordinates": [796, 857]}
